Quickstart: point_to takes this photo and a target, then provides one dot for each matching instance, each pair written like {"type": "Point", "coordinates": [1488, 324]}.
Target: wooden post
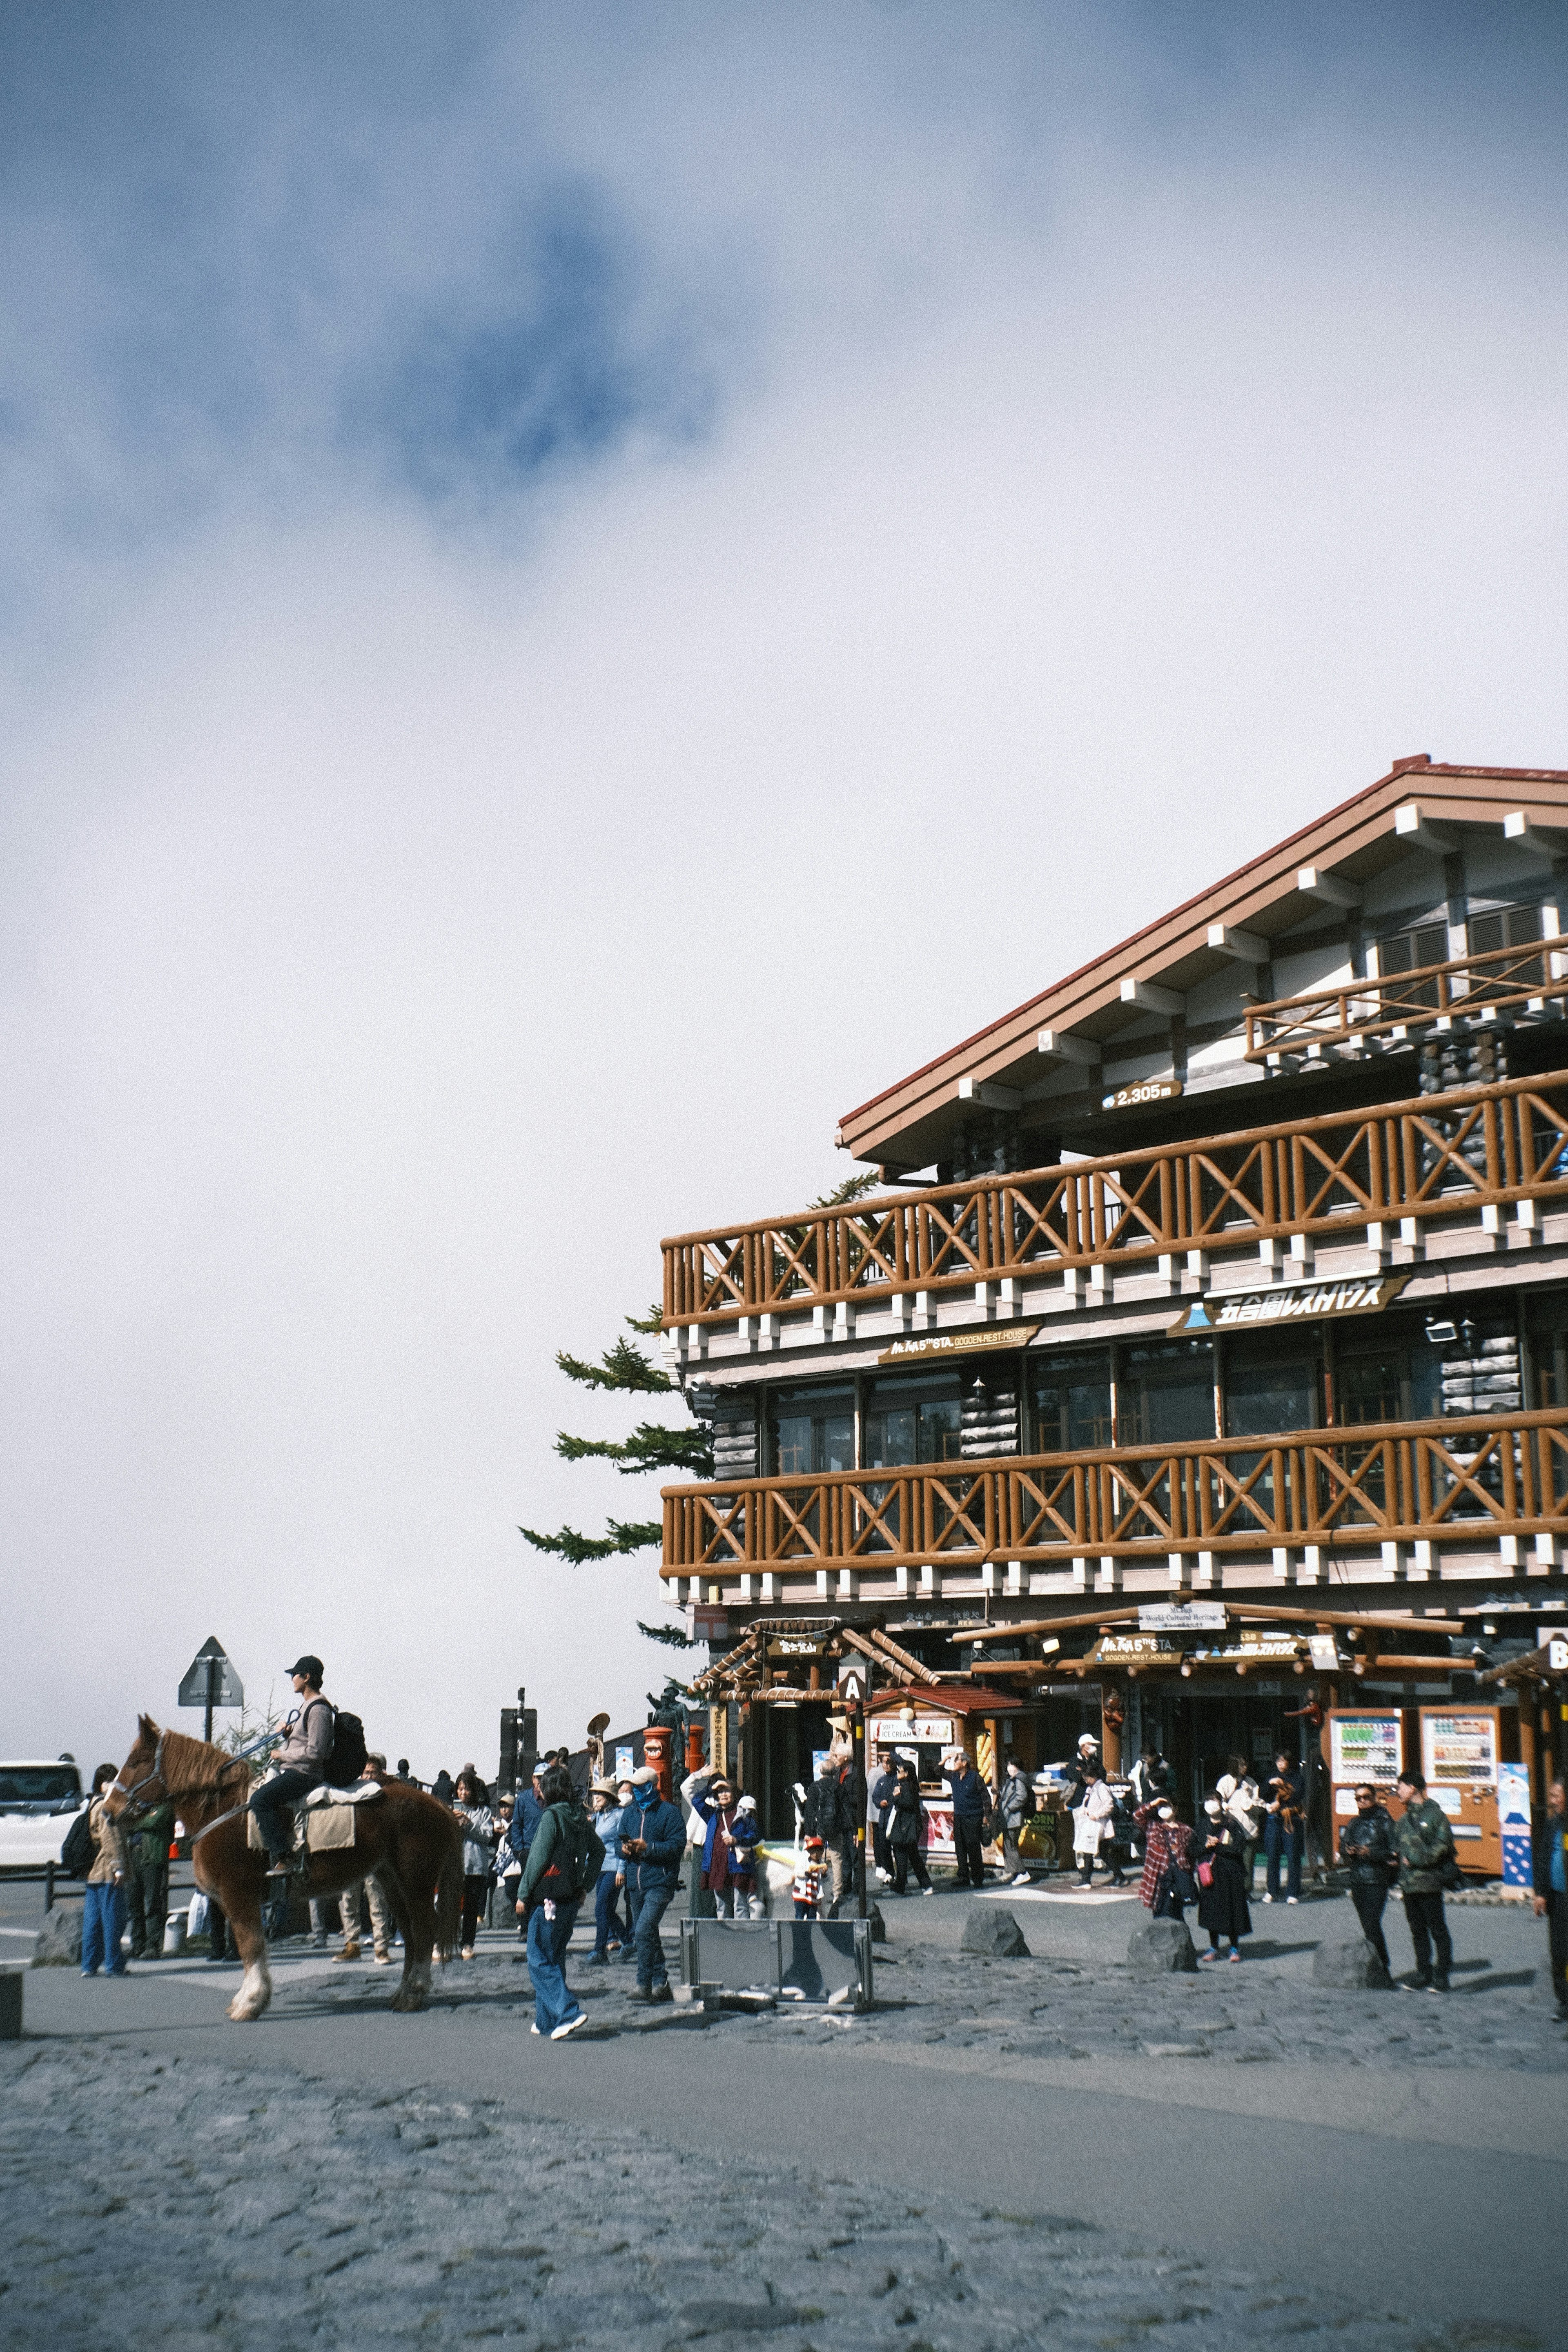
{"type": "Point", "coordinates": [1111, 1713]}
{"type": "Point", "coordinates": [1527, 1756]}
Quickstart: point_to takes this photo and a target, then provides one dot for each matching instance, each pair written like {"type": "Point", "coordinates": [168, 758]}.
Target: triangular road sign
{"type": "Point", "coordinates": [210, 1680]}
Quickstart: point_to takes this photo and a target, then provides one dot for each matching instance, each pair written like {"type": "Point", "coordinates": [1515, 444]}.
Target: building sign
{"type": "Point", "coordinates": [1136, 1650]}
{"type": "Point", "coordinates": [1457, 1749]}
{"type": "Point", "coordinates": [925, 1731]}
{"type": "Point", "coordinates": [1147, 1091]}
{"type": "Point", "coordinates": [1289, 1302]}
{"type": "Point", "coordinates": [1182, 1617]}
{"type": "Point", "coordinates": [1513, 1820]}
{"type": "Point", "coordinates": [796, 1645]}
{"type": "Point", "coordinates": [960, 1343]}
{"type": "Point", "coordinates": [1325, 1651]}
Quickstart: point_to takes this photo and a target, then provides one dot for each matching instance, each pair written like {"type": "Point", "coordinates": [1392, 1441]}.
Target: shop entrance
{"type": "Point", "coordinates": [1199, 1735]}
{"type": "Point", "coordinates": [791, 1735]}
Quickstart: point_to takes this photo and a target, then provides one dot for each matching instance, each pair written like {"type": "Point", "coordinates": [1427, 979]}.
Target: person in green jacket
{"type": "Point", "coordinates": [563, 1858]}
{"type": "Point", "coordinates": [147, 1882]}
{"type": "Point", "coordinates": [1426, 1857]}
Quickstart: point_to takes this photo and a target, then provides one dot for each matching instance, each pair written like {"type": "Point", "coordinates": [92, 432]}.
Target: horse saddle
{"type": "Point", "coordinates": [328, 1815]}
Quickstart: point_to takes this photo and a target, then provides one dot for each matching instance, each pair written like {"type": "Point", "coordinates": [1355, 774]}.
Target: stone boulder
{"type": "Point", "coordinates": [994, 1933]}
{"type": "Point", "coordinates": [59, 1943]}
{"type": "Point", "coordinates": [1351, 1965]}
{"type": "Point", "coordinates": [1161, 1947]}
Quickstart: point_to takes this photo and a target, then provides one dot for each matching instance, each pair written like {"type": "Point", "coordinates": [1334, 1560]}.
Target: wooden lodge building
{"type": "Point", "coordinates": [1226, 1279]}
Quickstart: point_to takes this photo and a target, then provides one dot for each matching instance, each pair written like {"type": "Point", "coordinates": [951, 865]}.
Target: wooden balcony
{"type": "Point", "coordinates": [1470, 1482]}
{"type": "Point", "coordinates": [1505, 981]}
{"type": "Point", "coordinates": [1438, 1156]}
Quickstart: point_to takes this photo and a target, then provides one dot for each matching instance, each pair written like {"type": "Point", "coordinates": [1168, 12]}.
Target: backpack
{"type": "Point", "coordinates": [347, 1759]}
{"type": "Point", "coordinates": [570, 1875]}
{"type": "Point", "coordinates": [76, 1854]}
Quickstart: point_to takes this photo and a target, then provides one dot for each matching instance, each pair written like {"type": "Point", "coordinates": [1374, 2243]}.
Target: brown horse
{"type": "Point", "coordinates": [412, 1843]}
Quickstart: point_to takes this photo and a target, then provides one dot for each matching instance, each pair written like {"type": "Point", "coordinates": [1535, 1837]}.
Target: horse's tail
{"type": "Point", "coordinates": [449, 1897]}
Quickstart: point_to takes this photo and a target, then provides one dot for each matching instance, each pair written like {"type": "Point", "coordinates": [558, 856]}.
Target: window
{"type": "Point", "coordinates": [1507, 927]}
{"type": "Point", "coordinates": [1266, 1395]}
{"type": "Point", "coordinates": [813, 1431]}
{"type": "Point", "coordinates": [1166, 1395]}
{"type": "Point", "coordinates": [1072, 1402]}
{"type": "Point", "coordinates": [912, 1421]}
{"type": "Point", "coordinates": [1409, 950]}
{"type": "Point", "coordinates": [1395, 1383]}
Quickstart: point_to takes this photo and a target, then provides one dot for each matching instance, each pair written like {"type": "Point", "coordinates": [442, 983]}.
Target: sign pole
{"type": "Point", "coordinates": [212, 1697]}
{"type": "Point", "coordinates": [857, 1774]}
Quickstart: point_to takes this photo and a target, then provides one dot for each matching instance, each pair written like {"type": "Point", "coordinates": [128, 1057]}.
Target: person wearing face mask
{"type": "Point", "coordinates": [1369, 1851]}
{"type": "Point", "coordinates": [1166, 1886]}
{"type": "Point", "coordinates": [1219, 1846]}
{"type": "Point", "coordinates": [652, 1855]}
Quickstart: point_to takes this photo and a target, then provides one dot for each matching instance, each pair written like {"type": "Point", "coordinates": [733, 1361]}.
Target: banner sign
{"type": "Point", "coordinates": [1294, 1302]}
{"type": "Point", "coordinates": [925, 1731]}
{"type": "Point", "coordinates": [960, 1343]}
{"type": "Point", "coordinates": [1513, 1820]}
{"type": "Point", "coordinates": [1182, 1617]}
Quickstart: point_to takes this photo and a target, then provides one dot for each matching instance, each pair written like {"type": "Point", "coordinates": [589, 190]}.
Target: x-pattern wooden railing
{"type": "Point", "coordinates": [1503, 980]}
{"type": "Point", "coordinates": [1450, 1480]}
{"type": "Point", "coordinates": [1431, 1156]}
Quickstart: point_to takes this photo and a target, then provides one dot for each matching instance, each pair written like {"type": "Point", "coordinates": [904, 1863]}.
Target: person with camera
{"type": "Point", "coordinates": [1427, 1864]}
{"type": "Point", "coordinates": [1369, 1851]}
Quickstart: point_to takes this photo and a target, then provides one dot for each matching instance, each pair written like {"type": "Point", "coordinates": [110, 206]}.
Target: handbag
{"type": "Point", "coordinates": [1206, 1874]}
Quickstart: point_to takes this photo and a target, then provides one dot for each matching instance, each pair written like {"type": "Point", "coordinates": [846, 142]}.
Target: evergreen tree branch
{"type": "Point", "coordinates": [576, 1549]}
{"type": "Point", "coordinates": [620, 1367]}
{"type": "Point", "coordinates": [650, 1446]}
{"type": "Point", "coordinates": [671, 1634]}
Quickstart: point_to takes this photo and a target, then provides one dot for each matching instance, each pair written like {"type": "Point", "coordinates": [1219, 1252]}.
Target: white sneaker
{"type": "Point", "coordinates": [928, 1890]}
{"type": "Point", "coordinates": [571, 2026]}
{"type": "Point", "coordinates": [1265, 1898]}
{"type": "Point", "coordinates": [1291, 1898]}
{"type": "Point", "coordinates": [533, 2029]}
{"type": "Point", "coordinates": [1022, 1879]}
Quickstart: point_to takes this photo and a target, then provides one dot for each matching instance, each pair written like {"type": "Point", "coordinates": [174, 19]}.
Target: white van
{"type": "Point", "coordinates": [38, 1802]}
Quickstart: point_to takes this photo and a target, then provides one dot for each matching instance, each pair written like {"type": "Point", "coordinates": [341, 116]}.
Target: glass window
{"type": "Point", "coordinates": [913, 1421]}
{"type": "Point", "coordinates": [813, 1431]}
{"type": "Point", "coordinates": [1166, 1395]}
{"type": "Point", "coordinates": [1265, 1396]}
{"type": "Point", "coordinates": [1394, 1383]}
{"type": "Point", "coordinates": [1072, 1402]}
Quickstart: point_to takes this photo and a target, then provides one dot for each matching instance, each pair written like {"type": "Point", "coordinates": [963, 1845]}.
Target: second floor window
{"type": "Point", "coordinates": [813, 1431]}
{"type": "Point", "coordinates": [911, 1422]}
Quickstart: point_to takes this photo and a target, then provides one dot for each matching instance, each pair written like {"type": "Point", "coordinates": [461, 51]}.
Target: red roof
{"type": "Point", "coordinates": [945, 1698]}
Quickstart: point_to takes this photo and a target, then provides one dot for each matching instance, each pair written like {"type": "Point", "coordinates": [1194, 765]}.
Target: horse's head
{"type": "Point", "coordinates": [134, 1787]}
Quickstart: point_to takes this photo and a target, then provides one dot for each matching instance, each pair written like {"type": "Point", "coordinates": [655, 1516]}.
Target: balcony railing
{"type": "Point", "coordinates": [1438, 1156]}
{"type": "Point", "coordinates": [1444, 1481]}
{"type": "Point", "coordinates": [1503, 980]}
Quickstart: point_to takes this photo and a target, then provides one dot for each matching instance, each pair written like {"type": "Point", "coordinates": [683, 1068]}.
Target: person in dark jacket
{"type": "Point", "coordinates": [832, 1812]}
{"type": "Point", "coordinates": [1549, 1860]}
{"type": "Point", "coordinates": [564, 1861]}
{"type": "Point", "coordinates": [1426, 1857]}
{"type": "Point", "coordinates": [147, 1882]}
{"type": "Point", "coordinates": [906, 1827]}
{"type": "Point", "coordinates": [970, 1803]}
{"type": "Point", "coordinates": [1220, 1840]}
{"type": "Point", "coordinates": [652, 1854]}
{"type": "Point", "coordinates": [1369, 1851]}
{"type": "Point", "coordinates": [1284, 1828]}
{"type": "Point", "coordinates": [882, 1793]}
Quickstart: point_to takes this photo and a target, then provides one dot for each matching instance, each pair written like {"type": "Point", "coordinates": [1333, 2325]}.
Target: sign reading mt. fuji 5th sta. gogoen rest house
{"type": "Point", "coordinates": [1291, 1302]}
{"type": "Point", "coordinates": [985, 1337]}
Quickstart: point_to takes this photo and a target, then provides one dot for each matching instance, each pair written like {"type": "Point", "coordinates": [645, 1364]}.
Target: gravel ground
{"type": "Point", "coordinates": [192, 2205]}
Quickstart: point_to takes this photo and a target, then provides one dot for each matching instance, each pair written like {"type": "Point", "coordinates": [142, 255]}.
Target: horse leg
{"type": "Point", "coordinates": [414, 1990]}
{"type": "Point", "coordinates": [239, 1900]}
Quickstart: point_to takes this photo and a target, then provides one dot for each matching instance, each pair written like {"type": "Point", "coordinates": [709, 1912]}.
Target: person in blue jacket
{"type": "Point", "coordinates": [653, 1845]}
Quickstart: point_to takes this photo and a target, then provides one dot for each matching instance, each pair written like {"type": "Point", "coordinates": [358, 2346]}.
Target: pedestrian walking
{"type": "Point", "coordinates": [1091, 1822]}
{"type": "Point", "coordinates": [147, 1881]}
{"type": "Point", "coordinates": [653, 1856]}
{"type": "Point", "coordinates": [1549, 1852]}
{"type": "Point", "coordinates": [1219, 1850]}
{"type": "Point", "coordinates": [1015, 1804]}
{"type": "Point", "coordinates": [103, 1896]}
{"type": "Point", "coordinates": [606, 1813]}
{"type": "Point", "coordinates": [369, 1890]}
{"type": "Point", "coordinates": [1244, 1799]}
{"type": "Point", "coordinates": [1284, 1828]}
{"type": "Point", "coordinates": [1370, 1853]}
{"type": "Point", "coordinates": [906, 1828]}
{"type": "Point", "coordinates": [1427, 1864]}
{"type": "Point", "coordinates": [471, 1805]}
{"type": "Point", "coordinates": [1165, 1887]}
{"type": "Point", "coordinates": [564, 1861]}
{"type": "Point", "coordinates": [971, 1804]}
{"type": "Point", "coordinates": [882, 1790]}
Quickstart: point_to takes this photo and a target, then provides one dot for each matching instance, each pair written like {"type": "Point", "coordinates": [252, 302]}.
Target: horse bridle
{"type": "Point", "coordinates": [132, 1810]}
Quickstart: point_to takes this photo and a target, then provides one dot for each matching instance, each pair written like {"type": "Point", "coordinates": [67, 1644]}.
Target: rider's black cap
{"type": "Point", "coordinates": [311, 1668]}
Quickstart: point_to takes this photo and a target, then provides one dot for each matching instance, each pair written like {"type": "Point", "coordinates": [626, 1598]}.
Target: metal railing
{"type": "Point", "coordinates": [1449, 1480]}
{"type": "Point", "coordinates": [1438, 1155]}
{"type": "Point", "coordinates": [1502, 980]}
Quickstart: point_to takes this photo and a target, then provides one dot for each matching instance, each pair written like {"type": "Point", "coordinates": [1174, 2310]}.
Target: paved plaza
{"type": "Point", "coordinates": [1027, 2151]}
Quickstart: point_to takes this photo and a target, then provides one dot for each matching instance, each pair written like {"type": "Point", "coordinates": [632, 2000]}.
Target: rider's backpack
{"type": "Point", "coordinates": [347, 1759]}
{"type": "Point", "coordinates": [76, 1854]}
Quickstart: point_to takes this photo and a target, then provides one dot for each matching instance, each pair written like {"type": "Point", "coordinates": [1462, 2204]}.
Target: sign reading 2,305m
{"type": "Point", "coordinates": [1149, 1090]}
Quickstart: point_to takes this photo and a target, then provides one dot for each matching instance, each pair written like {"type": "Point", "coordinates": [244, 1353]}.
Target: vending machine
{"type": "Point", "coordinates": [1460, 1750]}
{"type": "Point", "coordinates": [1364, 1744]}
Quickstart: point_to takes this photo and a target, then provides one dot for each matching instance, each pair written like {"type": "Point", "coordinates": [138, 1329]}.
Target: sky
{"type": "Point", "coordinates": [582, 588]}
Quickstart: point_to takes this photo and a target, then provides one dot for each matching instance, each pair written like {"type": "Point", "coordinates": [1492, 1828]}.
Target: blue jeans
{"type": "Point", "coordinates": [651, 1906]}
{"type": "Point", "coordinates": [606, 1916]}
{"type": "Point", "coordinates": [547, 1942]}
{"type": "Point", "coordinates": [1278, 1842]}
{"type": "Point", "coordinates": [102, 1925]}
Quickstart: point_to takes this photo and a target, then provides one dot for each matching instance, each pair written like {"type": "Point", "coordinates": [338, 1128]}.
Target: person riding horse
{"type": "Point", "coordinates": [307, 1745]}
